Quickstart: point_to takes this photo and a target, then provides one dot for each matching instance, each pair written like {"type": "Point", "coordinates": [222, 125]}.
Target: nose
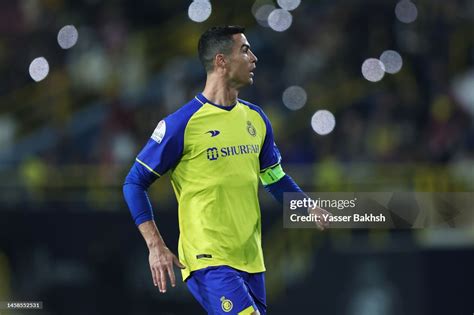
{"type": "Point", "coordinates": [254, 58]}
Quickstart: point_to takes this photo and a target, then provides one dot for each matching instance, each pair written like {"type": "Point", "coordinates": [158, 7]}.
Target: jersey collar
{"type": "Point", "coordinates": [204, 100]}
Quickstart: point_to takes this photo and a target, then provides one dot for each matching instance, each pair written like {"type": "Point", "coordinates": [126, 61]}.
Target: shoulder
{"type": "Point", "coordinates": [184, 113]}
{"type": "Point", "coordinates": [251, 105]}
{"type": "Point", "coordinates": [175, 123]}
{"type": "Point", "coordinates": [256, 108]}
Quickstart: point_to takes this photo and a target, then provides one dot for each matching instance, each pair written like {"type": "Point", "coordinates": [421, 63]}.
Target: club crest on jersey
{"type": "Point", "coordinates": [226, 304]}
{"type": "Point", "coordinates": [251, 129]}
{"type": "Point", "coordinates": [159, 132]}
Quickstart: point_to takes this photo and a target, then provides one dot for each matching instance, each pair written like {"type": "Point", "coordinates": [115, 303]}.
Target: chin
{"type": "Point", "coordinates": [244, 83]}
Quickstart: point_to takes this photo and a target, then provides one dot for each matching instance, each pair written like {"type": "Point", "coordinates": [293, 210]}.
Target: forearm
{"type": "Point", "coordinates": [285, 184]}
{"type": "Point", "coordinates": [138, 203]}
{"type": "Point", "coordinates": [135, 193]}
{"type": "Point", "coordinates": [151, 235]}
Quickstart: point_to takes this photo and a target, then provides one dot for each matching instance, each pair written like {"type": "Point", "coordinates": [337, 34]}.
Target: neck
{"type": "Point", "coordinates": [218, 91]}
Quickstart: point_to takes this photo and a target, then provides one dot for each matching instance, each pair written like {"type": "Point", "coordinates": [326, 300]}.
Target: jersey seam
{"type": "Point", "coordinates": [184, 132]}
{"type": "Point", "coordinates": [199, 100]}
{"type": "Point", "coordinates": [268, 167]}
{"type": "Point", "coordinates": [187, 124]}
{"type": "Point", "coordinates": [147, 167]}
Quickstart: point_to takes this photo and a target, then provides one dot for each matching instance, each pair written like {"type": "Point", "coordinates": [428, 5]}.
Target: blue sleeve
{"type": "Point", "coordinates": [135, 193]}
{"type": "Point", "coordinates": [161, 153]}
{"type": "Point", "coordinates": [165, 147]}
{"type": "Point", "coordinates": [270, 155]}
{"type": "Point", "coordinates": [163, 150]}
{"type": "Point", "coordinates": [285, 184]}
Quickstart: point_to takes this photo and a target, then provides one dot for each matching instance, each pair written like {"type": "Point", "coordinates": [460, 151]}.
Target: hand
{"type": "Point", "coordinates": [323, 216]}
{"type": "Point", "coordinates": [161, 263]}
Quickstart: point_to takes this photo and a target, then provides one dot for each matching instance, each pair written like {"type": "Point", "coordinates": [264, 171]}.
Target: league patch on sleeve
{"type": "Point", "coordinates": [159, 132]}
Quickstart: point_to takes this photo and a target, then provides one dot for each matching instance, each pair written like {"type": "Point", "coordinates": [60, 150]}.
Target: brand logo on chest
{"type": "Point", "coordinates": [214, 153]}
{"type": "Point", "coordinates": [213, 133]}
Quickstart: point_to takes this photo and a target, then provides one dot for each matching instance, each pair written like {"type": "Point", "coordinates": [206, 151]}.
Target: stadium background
{"type": "Point", "coordinates": [66, 237]}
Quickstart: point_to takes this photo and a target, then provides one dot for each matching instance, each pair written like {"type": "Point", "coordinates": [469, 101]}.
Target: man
{"type": "Point", "coordinates": [216, 148]}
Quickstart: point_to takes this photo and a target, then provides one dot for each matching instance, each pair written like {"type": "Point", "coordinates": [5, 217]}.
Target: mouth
{"type": "Point", "coordinates": [251, 71]}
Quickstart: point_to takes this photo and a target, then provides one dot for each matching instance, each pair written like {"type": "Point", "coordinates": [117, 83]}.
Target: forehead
{"type": "Point", "coordinates": [239, 40]}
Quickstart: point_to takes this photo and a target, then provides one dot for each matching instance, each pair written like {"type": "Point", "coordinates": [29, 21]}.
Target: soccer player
{"type": "Point", "coordinates": [216, 148]}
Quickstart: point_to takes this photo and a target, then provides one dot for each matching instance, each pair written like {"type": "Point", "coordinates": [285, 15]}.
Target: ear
{"type": "Point", "coordinates": [219, 61]}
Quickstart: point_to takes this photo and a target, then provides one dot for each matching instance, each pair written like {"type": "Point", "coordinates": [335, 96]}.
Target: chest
{"type": "Point", "coordinates": [221, 135]}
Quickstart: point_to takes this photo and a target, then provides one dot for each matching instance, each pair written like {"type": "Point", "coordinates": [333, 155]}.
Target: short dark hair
{"type": "Point", "coordinates": [216, 40]}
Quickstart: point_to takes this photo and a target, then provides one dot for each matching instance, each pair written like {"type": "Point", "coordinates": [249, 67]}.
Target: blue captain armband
{"type": "Point", "coordinates": [271, 175]}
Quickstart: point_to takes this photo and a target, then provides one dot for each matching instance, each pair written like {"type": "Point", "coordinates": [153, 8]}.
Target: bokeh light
{"type": "Point", "coordinates": [392, 61]}
{"type": "Point", "coordinates": [280, 20]}
{"type": "Point", "coordinates": [294, 97]}
{"type": "Point", "coordinates": [463, 90]}
{"type": "Point", "coordinates": [199, 10]}
{"type": "Point", "coordinates": [39, 69]}
{"type": "Point", "coordinates": [323, 122]}
{"type": "Point", "coordinates": [406, 11]}
{"type": "Point", "coordinates": [373, 69]}
{"type": "Point", "coordinates": [259, 3]}
{"type": "Point", "coordinates": [288, 5]}
{"type": "Point", "coordinates": [262, 13]}
{"type": "Point", "coordinates": [67, 36]}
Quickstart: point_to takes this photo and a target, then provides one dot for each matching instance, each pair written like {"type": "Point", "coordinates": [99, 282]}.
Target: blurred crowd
{"type": "Point", "coordinates": [81, 127]}
{"type": "Point", "coordinates": [67, 142]}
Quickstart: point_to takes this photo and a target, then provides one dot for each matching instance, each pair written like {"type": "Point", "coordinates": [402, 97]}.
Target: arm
{"type": "Point", "coordinates": [276, 182]}
{"type": "Point", "coordinates": [162, 151]}
{"type": "Point", "coordinates": [272, 175]}
{"type": "Point", "coordinates": [161, 259]}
